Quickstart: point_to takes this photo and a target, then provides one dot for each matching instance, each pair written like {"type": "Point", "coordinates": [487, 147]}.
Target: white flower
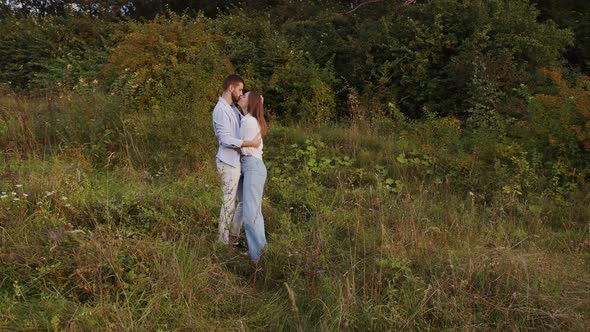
{"type": "Point", "coordinates": [67, 205]}
{"type": "Point", "coordinates": [64, 198]}
{"type": "Point", "coordinates": [19, 185]}
{"type": "Point", "coordinates": [39, 203]}
{"type": "Point", "coordinates": [16, 199]}
{"type": "Point", "coordinates": [13, 193]}
{"type": "Point", "coordinates": [25, 195]}
{"type": "Point", "coordinates": [3, 196]}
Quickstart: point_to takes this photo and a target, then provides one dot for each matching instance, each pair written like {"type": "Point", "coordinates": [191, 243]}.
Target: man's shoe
{"type": "Point", "coordinates": [240, 244]}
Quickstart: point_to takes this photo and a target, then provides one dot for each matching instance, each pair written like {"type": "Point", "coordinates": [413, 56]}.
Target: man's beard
{"type": "Point", "coordinates": [235, 99]}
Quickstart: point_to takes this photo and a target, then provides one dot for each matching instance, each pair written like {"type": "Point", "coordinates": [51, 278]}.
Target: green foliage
{"type": "Point", "coordinates": [305, 90]}
{"type": "Point", "coordinates": [170, 71]}
{"type": "Point", "coordinates": [448, 56]}
{"type": "Point", "coordinates": [87, 121]}
{"type": "Point", "coordinates": [558, 126]}
{"type": "Point", "coordinates": [574, 15]}
{"type": "Point", "coordinates": [24, 50]}
{"type": "Point", "coordinates": [45, 53]}
{"type": "Point", "coordinates": [296, 88]}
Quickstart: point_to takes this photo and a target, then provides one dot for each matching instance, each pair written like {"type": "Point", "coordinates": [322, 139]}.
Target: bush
{"type": "Point", "coordinates": [45, 53]}
{"type": "Point", "coordinates": [448, 57]}
{"type": "Point", "coordinates": [296, 88]}
{"type": "Point", "coordinates": [170, 70]}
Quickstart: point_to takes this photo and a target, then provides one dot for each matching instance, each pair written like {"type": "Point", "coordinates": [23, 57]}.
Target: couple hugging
{"type": "Point", "coordinates": [239, 132]}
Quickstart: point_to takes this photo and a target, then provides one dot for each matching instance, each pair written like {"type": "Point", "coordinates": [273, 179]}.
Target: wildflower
{"type": "Point", "coordinates": [3, 196]}
{"type": "Point", "coordinates": [39, 203]}
{"type": "Point", "coordinates": [13, 193]}
{"type": "Point", "coordinates": [64, 198]}
{"type": "Point", "coordinates": [67, 205]}
{"type": "Point", "coordinates": [19, 185]}
{"type": "Point", "coordinates": [25, 195]}
{"type": "Point", "coordinates": [320, 271]}
{"type": "Point", "coordinates": [4, 193]}
{"type": "Point", "coordinates": [16, 199]}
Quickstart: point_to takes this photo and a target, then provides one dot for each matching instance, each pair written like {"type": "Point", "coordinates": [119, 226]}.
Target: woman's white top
{"type": "Point", "coordinates": [249, 128]}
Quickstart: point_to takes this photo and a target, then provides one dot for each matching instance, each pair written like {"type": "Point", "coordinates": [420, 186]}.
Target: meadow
{"type": "Point", "coordinates": [364, 231]}
{"type": "Point", "coordinates": [427, 170]}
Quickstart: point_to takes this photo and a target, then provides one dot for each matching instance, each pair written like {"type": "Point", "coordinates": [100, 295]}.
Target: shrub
{"type": "Point", "coordinates": [171, 70]}
{"type": "Point", "coordinates": [449, 57]}
{"type": "Point", "coordinates": [295, 87]}
{"type": "Point", "coordinates": [44, 53]}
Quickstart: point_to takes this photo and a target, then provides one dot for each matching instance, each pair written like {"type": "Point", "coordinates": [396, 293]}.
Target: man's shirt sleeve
{"type": "Point", "coordinates": [221, 123]}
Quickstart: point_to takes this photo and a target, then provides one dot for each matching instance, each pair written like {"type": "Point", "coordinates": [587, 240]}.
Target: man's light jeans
{"type": "Point", "coordinates": [230, 177]}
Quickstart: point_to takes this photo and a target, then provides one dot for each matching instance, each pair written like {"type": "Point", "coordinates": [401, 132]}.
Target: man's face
{"type": "Point", "coordinates": [236, 92]}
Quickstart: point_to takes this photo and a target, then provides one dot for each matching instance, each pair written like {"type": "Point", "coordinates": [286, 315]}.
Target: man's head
{"type": "Point", "coordinates": [234, 85]}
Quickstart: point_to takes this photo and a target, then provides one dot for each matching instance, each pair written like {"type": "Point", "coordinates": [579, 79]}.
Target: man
{"type": "Point", "coordinates": [226, 125]}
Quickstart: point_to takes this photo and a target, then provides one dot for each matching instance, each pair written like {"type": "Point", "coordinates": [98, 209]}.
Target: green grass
{"type": "Point", "coordinates": [134, 249]}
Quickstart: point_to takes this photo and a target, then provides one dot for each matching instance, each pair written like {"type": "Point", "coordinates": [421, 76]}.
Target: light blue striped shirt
{"type": "Point", "coordinates": [226, 125]}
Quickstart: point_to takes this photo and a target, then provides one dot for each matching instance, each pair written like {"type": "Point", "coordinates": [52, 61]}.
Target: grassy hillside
{"type": "Point", "coordinates": [370, 227]}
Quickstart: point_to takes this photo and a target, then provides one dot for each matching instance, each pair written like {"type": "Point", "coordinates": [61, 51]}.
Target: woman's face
{"type": "Point", "coordinates": [243, 102]}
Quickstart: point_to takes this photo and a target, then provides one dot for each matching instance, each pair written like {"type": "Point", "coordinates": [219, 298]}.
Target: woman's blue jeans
{"type": "Point", "coordinates": [250, 189]}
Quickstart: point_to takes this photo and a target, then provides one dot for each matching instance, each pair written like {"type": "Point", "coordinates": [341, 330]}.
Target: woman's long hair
{"type": "Point", "coordinates": [256, 109]}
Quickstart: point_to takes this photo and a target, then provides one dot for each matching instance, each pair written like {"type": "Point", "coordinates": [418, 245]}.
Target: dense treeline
{"type": "Point", "coordinates": [365, 51]}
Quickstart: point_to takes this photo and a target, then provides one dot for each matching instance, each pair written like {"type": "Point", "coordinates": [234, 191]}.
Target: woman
{"type": "Point", "coordinates": [253, 175]}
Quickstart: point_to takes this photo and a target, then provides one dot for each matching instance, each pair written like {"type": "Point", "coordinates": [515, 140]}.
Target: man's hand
{"type": "Point", "coordinates": [253, 143]}
{"type": "Point", "coordinates": [257, 140]}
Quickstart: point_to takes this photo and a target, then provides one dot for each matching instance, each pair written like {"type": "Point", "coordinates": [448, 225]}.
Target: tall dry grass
{"type": "Point", "coordinates": [92, 243]}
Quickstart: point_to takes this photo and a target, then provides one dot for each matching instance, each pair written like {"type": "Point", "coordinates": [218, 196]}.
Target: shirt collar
{"type": "Point", "coordinates": [231, 107]}
{"type": "Point", "coordinates": [223, 101]}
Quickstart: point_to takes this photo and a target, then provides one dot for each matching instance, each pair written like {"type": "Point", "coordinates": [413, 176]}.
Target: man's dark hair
{"type": "Point", "coordinates": [231, 79]}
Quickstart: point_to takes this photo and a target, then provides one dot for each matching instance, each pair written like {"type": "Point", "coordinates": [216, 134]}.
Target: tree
{"type": "Point", "coordinates": [575, 15]}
